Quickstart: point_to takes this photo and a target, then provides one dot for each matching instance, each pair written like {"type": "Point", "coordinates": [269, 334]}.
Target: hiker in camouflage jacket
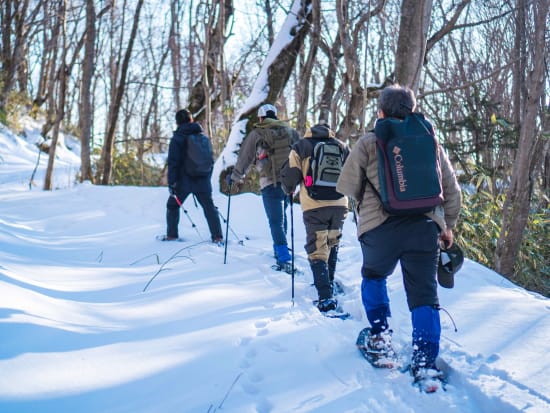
{"type": "Point", "coordinates": [268, 159]}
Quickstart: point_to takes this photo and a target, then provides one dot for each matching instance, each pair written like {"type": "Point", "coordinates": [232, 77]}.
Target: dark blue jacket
{"type": "Point", "coordinates": [176, 159]}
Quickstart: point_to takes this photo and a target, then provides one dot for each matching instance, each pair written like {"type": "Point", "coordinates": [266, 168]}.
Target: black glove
{"type": "Point", "coordinates": [228, 179]}
{"type": "Point", "coordinates": [173, 188]}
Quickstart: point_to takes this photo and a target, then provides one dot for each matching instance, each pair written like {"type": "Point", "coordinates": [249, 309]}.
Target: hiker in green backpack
{"type": "Point", "coordinates": [267, 147]}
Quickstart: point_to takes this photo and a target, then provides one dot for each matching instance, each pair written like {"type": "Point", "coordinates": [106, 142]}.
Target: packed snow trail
{"type": "Point", "coordinates": [79, 333]}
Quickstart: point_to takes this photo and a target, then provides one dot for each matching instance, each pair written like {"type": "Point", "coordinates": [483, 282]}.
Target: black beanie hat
{"type": "Point", "coordinates": [183, 116]}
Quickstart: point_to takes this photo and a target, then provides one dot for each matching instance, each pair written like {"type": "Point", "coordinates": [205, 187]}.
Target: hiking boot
{"type": "Point", "coordinates": [327, 304]}
{"type": "Point", "coordinates": [167, 238]}
{"type": "Point", "coordinates": [379, 351]}
{"type": "Point", "coordinates": [217, 240]}
{"type": "Point", "coordinates": [380, 343]}
{"type": "Point", "coordinates": [337, 288]}
{"type": "Point", "coordinates": [428, 379]}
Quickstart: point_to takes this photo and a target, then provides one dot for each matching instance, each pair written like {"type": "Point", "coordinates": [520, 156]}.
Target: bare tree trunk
{"type": "Point", "coordinates": [145, 130]}
{"type": "Point", "coordinates": [85, 110]}
{"type": "Point", "coordinates": [518, 197]}
{"type": "Point", "coordinates": [61, 95]}
{"type": "Point", "coordinates": [209, 68]}
{"type": "Point", "coordinates": [411, 44]}
{"type": "Point", "coordinates": [175, 50]}
{"type": "Point", "coordinates": [352, 77]}
{"type": "Point", "coordinates": [201, 99]}
{"type": "Point", "coordinates": [119, 92]}
{"type": "Point", "coordinates": [269, 25]}
{"type": "Point", "coordinates": [54, 21]}
{"type": "Point", "coordinates": [14, 36]}
{"type": "Point", "coordinates": [305, 76]}
{"type": "Point", "coordinates": [327, 95]}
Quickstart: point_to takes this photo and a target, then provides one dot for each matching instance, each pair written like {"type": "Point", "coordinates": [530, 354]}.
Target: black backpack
{"type": "Point", "coordinates": [408, 165]}
{"type": "Point", "coordinates": [199, 158]}
{"type": "Point", "coordinates": [325, 166]}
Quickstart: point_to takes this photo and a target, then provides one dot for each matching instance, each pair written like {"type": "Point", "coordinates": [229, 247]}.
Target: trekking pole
{"type": "Point", "coordinates": [354, 211]}
{"type": "Point", "coordinates": [180, 204]}
{"type": "Point", "coordinates": [227, 223]}
{"type": "Point", "coordinates": [292, 242]}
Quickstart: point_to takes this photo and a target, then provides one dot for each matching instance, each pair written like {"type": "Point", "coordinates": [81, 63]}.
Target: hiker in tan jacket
{"type": "Point", "coordinates": [411, 240]}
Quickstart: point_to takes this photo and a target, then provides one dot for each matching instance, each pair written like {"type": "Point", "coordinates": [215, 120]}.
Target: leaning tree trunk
{"type": "Point", "coordinates": [411, 43]}
{"type": "Point", "coordinates": [269, 85]}
{"type": "Point", "coordinates": [518, 197]}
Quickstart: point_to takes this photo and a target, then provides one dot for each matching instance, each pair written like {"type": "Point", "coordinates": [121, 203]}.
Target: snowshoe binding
{"type": "Point", "coordinates": [428, 379]}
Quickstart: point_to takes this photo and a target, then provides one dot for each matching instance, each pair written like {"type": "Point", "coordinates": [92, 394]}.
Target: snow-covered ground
{"type": "Point", "coordinates": [80, 332]}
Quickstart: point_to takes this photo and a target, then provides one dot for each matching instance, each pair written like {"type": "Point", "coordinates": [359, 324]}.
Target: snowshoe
{"type": "Point", "coordinates": [329, 308]}
{"type": "Point", "coordinates": [285, 267]}
{"type": "Point", "coordinates": [327, 304]}
{"type": "Point", "coordinates": [377, 349]}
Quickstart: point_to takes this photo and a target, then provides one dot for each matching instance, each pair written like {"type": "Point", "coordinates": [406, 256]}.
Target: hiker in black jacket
{"type": "Point", "coordinates": [181, 183]}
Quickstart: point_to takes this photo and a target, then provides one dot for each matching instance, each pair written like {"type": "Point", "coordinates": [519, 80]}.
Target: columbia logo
{"type": "Point", "coordinates": [399, 169]}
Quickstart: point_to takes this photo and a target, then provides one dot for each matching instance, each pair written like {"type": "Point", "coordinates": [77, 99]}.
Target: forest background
{"type": "Point", "coordinates": [113, 73]}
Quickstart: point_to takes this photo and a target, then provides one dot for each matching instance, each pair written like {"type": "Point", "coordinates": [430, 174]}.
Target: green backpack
{"type": "Point", "coordinates": [272, 151]}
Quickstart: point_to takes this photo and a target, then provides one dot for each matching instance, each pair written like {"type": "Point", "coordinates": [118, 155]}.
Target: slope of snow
{"type": "Point", "coordinates": [98, 316]}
